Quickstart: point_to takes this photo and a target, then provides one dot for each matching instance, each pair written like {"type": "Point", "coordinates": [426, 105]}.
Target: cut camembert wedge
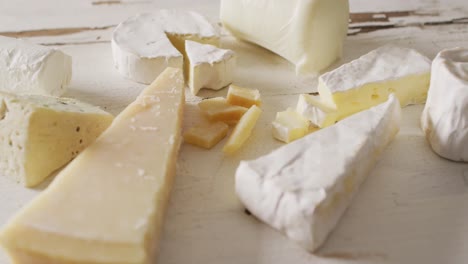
{"type": "Point", "coordinates": [303, 188]}
{"type": "Point", "coordinates": [108, 205]}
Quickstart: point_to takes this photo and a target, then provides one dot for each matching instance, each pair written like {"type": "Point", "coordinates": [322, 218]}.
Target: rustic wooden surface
{"type": "Point", "coordinates": [412, 209]}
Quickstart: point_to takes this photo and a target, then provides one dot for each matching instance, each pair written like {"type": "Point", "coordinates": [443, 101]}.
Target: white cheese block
{"type": "Point", "coordinates": [108, 205]}
{"type": "Point", "coordinates": [369, 80]}
{"type": "Point", "coordinates": [445, 117]}
{"type": "Point", "coordinates": [308, 33]}
{"type": "Point", "coordinates": [303, 188]}
{"type": "Point", "coordinates": [146, 44]}
{"type": "Point", "coordinates": [33, 69]}
{"type": "Point", "coordinates": [40, 134]}
{"type": "Point", "coordinates": [289, 126]}
{"type": "Point", "coordinates": [209, 66]}
{"type": "Point", "coordinates": [318, 113]}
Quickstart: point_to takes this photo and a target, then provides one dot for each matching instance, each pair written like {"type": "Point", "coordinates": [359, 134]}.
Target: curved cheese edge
{"type": "Point", "coordinates": [209, 67]}
{"type": "Point", "coordinates": [303, 188]}
{"type": "Point", "coordinates": [28, 68]}
{"type": "Point", "coordinates": [445, 116]}
{"type": "Point", "coordinates": [308, 33]}
{"type": "Point", "coordinates": [144, 45]}
{"type": "Point", "coordinates": [370, 79]}
{"type": "Point", "coordinates": [108, 205]}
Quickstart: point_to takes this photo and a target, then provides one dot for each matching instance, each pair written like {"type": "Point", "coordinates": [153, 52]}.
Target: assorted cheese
{"type": "Point", "coordinates": [208, 66]}
{"type": "Point", "coordinates": [108, 205]}
{"type": "Point", "coordinates": [146, 44]}
{"type": "Point", "coordinates": [369, 80]}
{"type": "Point", "coordinates": [243, 130]}
{"type": "Point", "coordinates": [206, 136]}
{"type": "Point", "coordinates": [308, 33]}
{"type": "Point", "coordinates": [40, 134]}
{"type": "Point", "coordinates": [243, 96]}
{"type": "Point", "coordinates": [445, 117]}
{"type": "Point", "coordinates": [289, 125]}
{"type": "Point", "coordinates": [33, 69]}
{"type": "Point", "coordinates": [303, 188]}
{"type": "Point", "coordinates": [318, 113]}
{"type": "Point", "coordinates": [218, 109]}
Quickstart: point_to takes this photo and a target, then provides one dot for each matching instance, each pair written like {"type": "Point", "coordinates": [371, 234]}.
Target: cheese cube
{"type": "Point", "coordinates": [319, 114]}
{"type": "Point", "coordinates": [206, 136]}
{"type": "Point", "coordinates": [40, 134]}
{"type": "Point", "coordinates": [289, 126]}
{"type": "Point", "coordinates": [218, 109]}
{"type": "Point", "coordinates": [243, 130]}
{"type": "Point", "coordinates": [243, 96]}
{"type": "Point", "coordinates": [33, 69]}
{"type": "Point", "coordinates": [108, 205]}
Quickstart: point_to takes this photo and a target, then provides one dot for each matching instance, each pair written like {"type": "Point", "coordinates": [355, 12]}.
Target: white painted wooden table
{"type": "Point", "coordinates": [412, 209]}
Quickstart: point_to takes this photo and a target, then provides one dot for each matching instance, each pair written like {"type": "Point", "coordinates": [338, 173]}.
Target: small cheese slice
{"type": "Point", "coordinates": [206, 136]}
{"type": "Point", "coordinates": [289, 126]}
{"type": "Point", "coordinates": [243, 130]}
{"type": "Point", "coordinates": [33, 69]}
{"type": "Point", "coordinates": [40, 134]}
{"type": "Point", "coordinates": [302, 189]}
{"type": "Point", "coordinates": [369, 80]}
{"type": "Point", "coordinates": [243, 96]}
{"type": "Point", "coordinates": [146, 44]}
{"type": "Point", "coordinates": [108, 205]}
{"type": "Point", "coordinates": [445, 116]}
{"type": "Point", "coordinates": [209, 67]}
{"type": "Point", "coordinates": [318, 113]}
{"type": "Point", "coordinates": [218, 109]}
{"type": "Point", "coordinates": [308, 33]}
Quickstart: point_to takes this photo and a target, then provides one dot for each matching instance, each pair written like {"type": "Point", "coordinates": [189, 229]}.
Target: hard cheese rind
{"type": "Point", "coordinates": [308, 33]}
{"type": "Point", "coordinates": [445, 117]}
{"type": "Point", "coordinates": [303, 188]}
{"type": "Point", "coordinates": [40, 134]}
{"type": "Point", "coordinates": [33, 69]}
{"type": "Point", "coordinates": [108, 205]}
{"type": "Point", "coordinates": [146, 44]}
{"type": "Point", "coordinates": [209, 67]}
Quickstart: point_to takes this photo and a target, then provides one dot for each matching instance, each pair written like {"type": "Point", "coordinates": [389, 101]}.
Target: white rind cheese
{"type": "Point", "coordinates": [308, 33]}
{"type": "Point", "coordinates": [370, 79]}
{"type": "Point", "coordinates": [33, 69]}
{"type": "Point", "coordinates": [209, 66]}
{"type": "Point", "coordinates": [303, 188]}
{"type": "Point", "coordinates": [145, 45]}
{"type": "Point", "coordinates": [108, 205]}
{"type": "Point", "coordinates": [40, 134]}
{"type": "Point", "coordinates": [445, 117]}
{"type": "Point", "coordinates": [319, 114]}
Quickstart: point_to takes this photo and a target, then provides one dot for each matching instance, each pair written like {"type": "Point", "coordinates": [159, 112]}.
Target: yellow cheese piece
{"type": "Point", "coordinates": [243, 96]}
{"type": "Point", "coordinates": [206, 136]}
{"type": "Point", "coordinates": [108, 205]}
{"type": "Point", "coordinates": [289, 126]}
{"type": "Point", "coordinates": [218, 109]}
{"type": "Point", "coordinates": [39, 134]}
{"type": "Point", "coordinates": [243, 130]}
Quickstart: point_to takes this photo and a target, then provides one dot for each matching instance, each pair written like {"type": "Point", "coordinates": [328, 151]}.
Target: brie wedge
{"type": "Point", "coordinates": [308, 33]}
{"type": "Point", "coordinates": [40, 134]}
{"type": "Point", "coordinates": [445, 117]}
{"type": "Point", "coordinates": [108, 205]}
{"type": "Point", "coordinates": [318, 113]}
{"type": "Point", "coordinates": [144, 45]}
{"type": "Point", "coordinates": [289, 126]}
{"type": "Point", "coordinates": [369, 80]}
{"type": "Point", "coordinates": [33, 69]}
{"type": "Point", "coordinates": [209, 67]}
{"type": "Point", "coordinates": [303, 188]}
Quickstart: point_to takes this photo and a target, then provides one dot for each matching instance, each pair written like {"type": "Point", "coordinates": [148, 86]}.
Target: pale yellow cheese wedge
{"type": "Point", "coordinates": [218, 109]}
{"type": "Point", "coordinates": [289, 126]}
{"type": "Point", "coordinates": [243, 96]}
{"type": "Point", "coordinates": [206, 136]}
{"type": "Point", "coordinates": [108, 205]}
{"type": "Point", "coordinates": [243, 130]}
{"type": "Point", "coordinates": [317, 112]}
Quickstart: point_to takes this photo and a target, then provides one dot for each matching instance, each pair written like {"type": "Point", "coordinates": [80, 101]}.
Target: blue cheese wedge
{"type": "Point", "coordinates": [40, 134]}
{"type": "Point", "coordinates": [303, 188]}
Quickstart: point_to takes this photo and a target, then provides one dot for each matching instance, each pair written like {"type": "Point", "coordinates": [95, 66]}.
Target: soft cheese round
{"type": "Point", "coordinates": [445, 117]}
{"type": "Point", "coordinates": [145, 44]}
